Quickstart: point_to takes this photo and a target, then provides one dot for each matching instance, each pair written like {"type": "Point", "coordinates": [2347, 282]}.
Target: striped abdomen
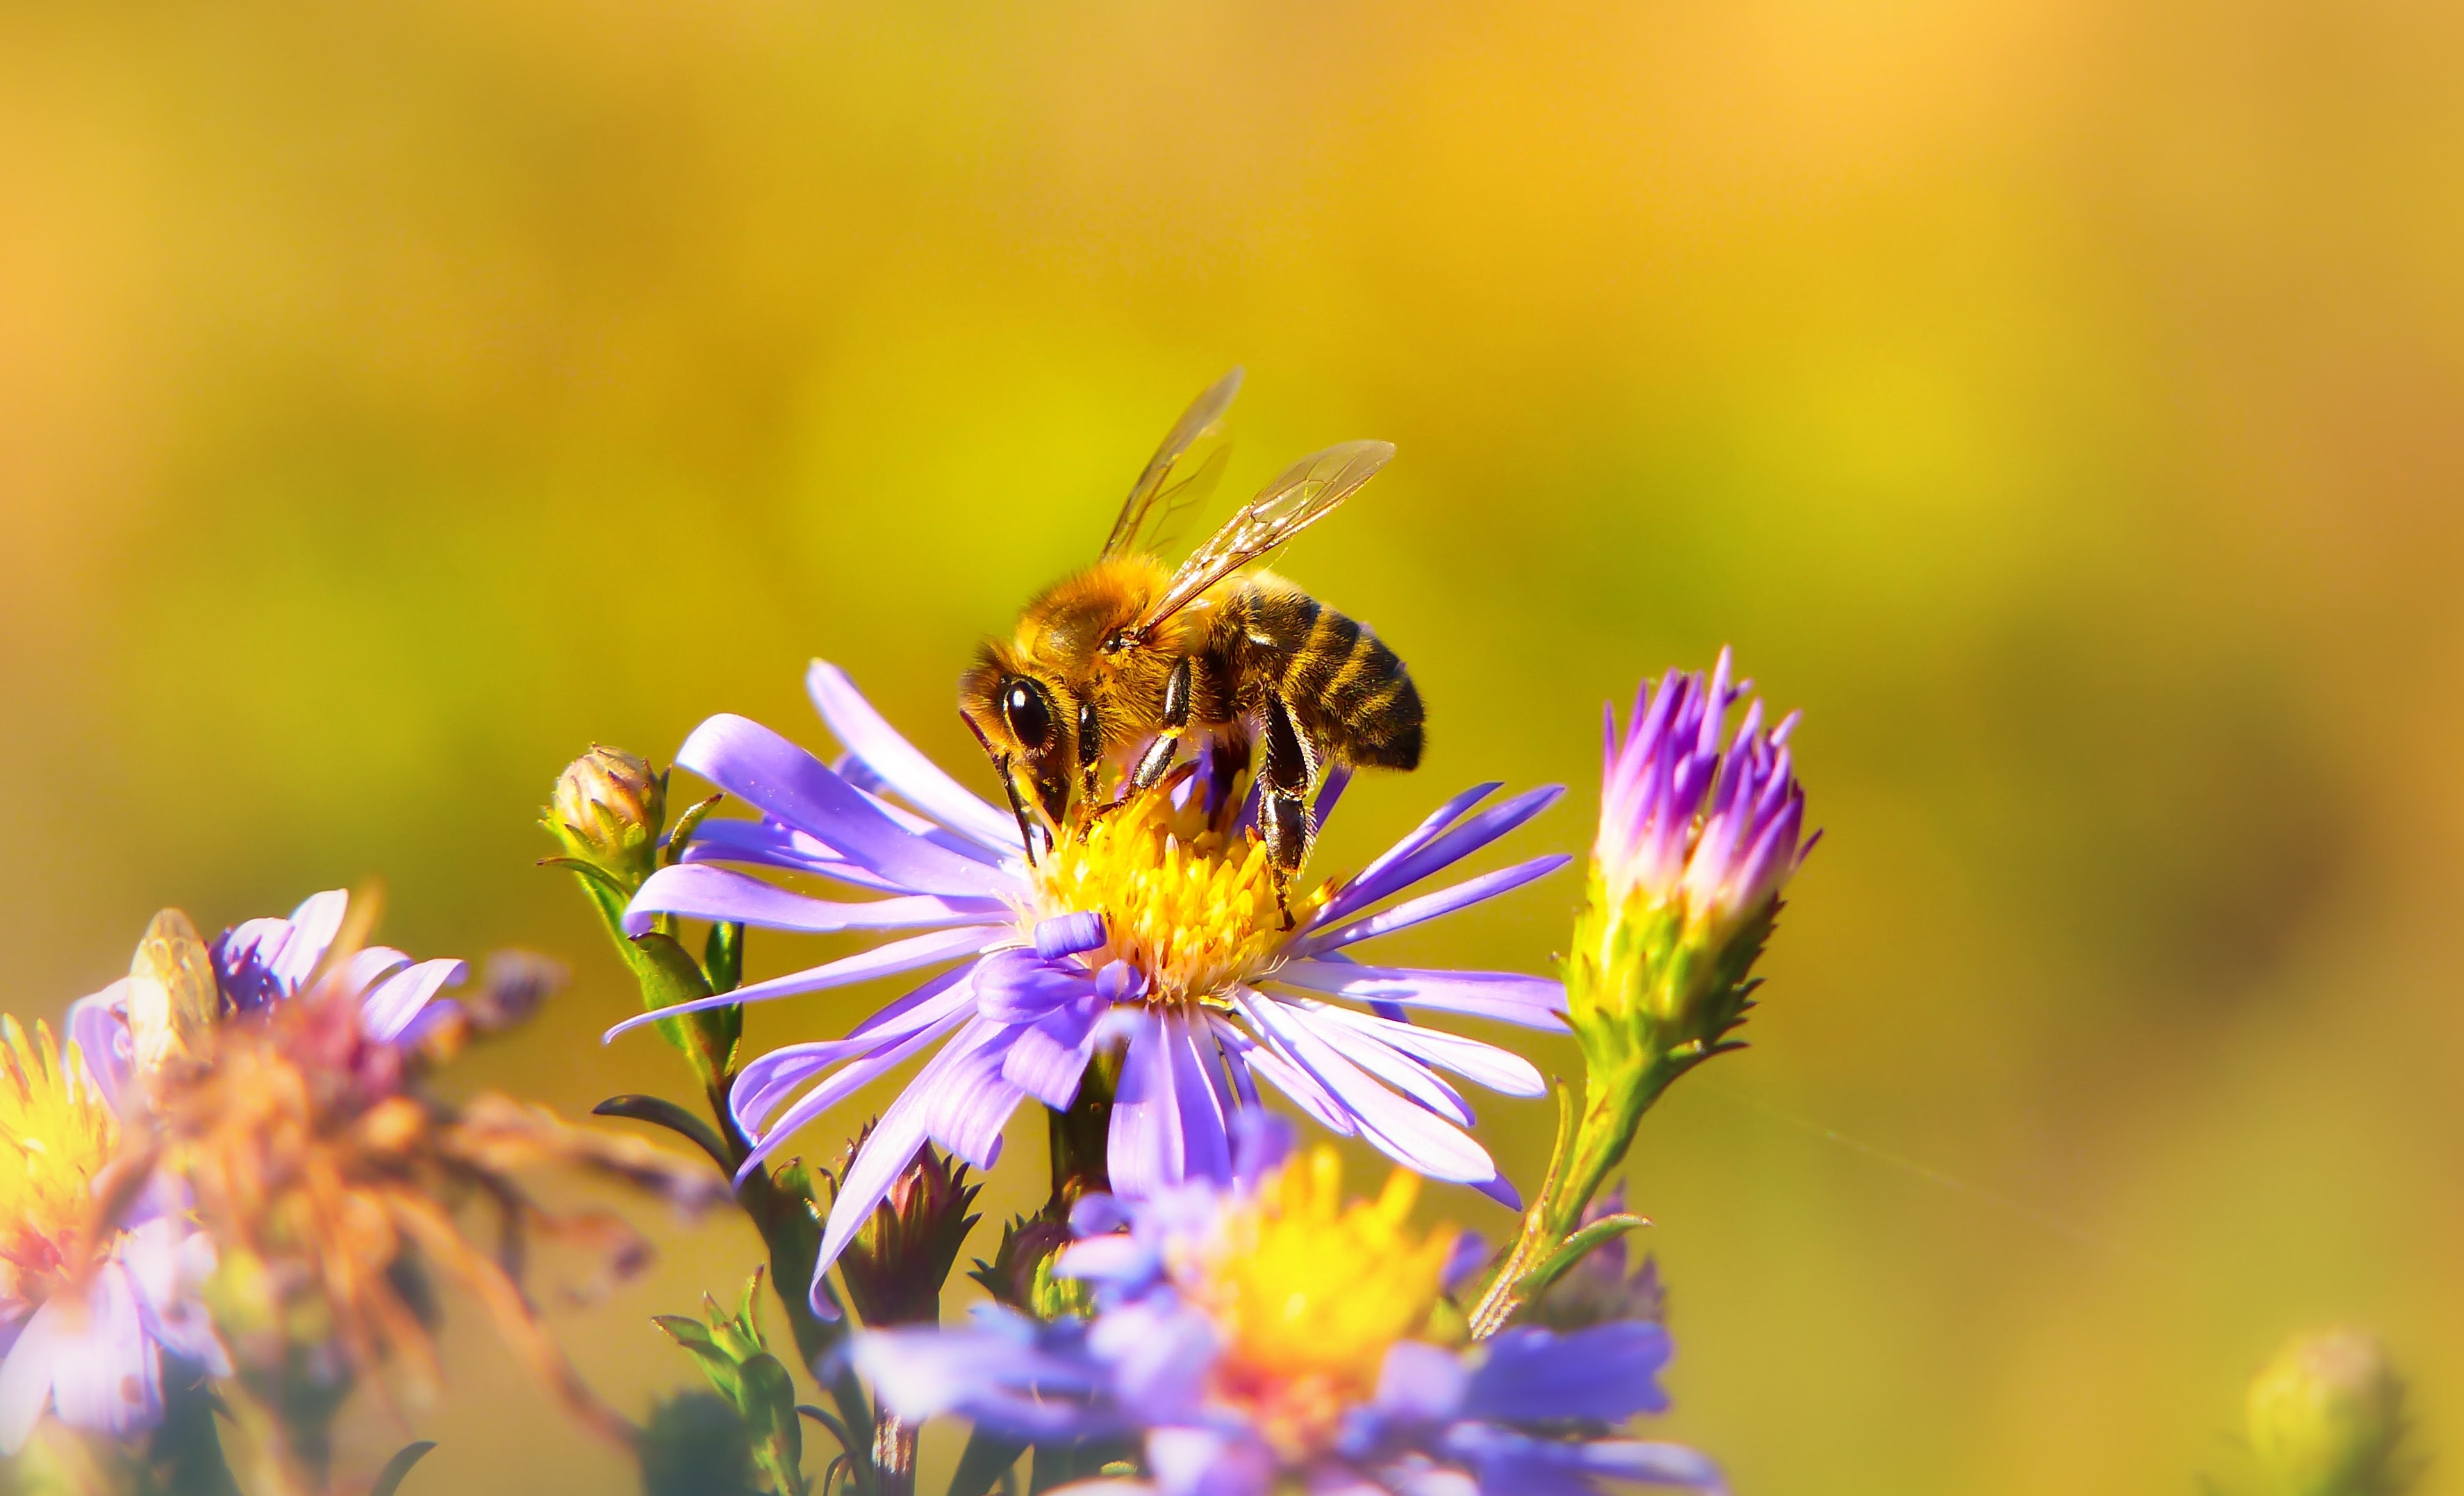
{"type": "Point", "coordinates": [1347, 694]}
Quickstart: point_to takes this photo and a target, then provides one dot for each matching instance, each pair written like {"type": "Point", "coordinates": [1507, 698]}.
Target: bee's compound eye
{"type": "Point", "coordinates": [1029, 717]}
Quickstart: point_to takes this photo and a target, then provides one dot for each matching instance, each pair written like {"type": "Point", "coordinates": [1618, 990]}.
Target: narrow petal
{"type": "Point", "coordinates": [1532, 1002]}
{"type": "Point", "coordinates": [771, 843]}
{"type": "Point", "coordinates": [1430, 906]}
{"type": "Point", "coordinates": [698, 890]}
{"type": "Point", "coordinates": [768, 1080]}
{"type": "Point", "coordinates": [758, 766]}
{"type": "Point", "coordinates": [387, 1014]}
{"type": "Point", "coordinates": [1501, 1071]}
{"type": "Point", "coordinates": [1442, 851]}
{"type": "Point", "coordinates": [886, 1155]}
{"type": "Point", "coordinates": [1607, 1372]}
{"type": "Point", "coordinates": [851, 1078]}
{"type": "Point", "coordinates": [917, 778]}
{"type": "Point", "coordinates": [898, 956]}
{"type": "Point", "coordinates": [1048, 1059]}
{"type": "Point", "coordinates": [1400, 1129]}
{"type": "Point", "coordinates": [1371, 1052]}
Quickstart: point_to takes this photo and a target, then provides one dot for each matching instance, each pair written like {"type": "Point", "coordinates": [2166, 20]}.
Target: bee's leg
{"type": "Point", "coordinates": [1090, 754]}
{"type": "Point", "coordinates": [1283, 801]}
{"type": "Point", "coordinates": [1157, 762]}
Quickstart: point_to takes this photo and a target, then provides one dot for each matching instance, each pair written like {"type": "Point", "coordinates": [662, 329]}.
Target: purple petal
{"type": "Point", "coordinates": [1396, 1127]}
{"type": "Point", "coordinates": [1168, 1122]}
{"type": "Point", "coordinates": [102, 1038]}
{"type": "Point", "coordinates": [758, 766]}
{"type": "Point", "coordinates": [698, 890]}
{"type": "Point", "coordinates": [1501, 1071]}
{"type": "Point", "coordinates": [1436, 821]}
{"type": "Point", "coordinates": [770, 843]}
{"type": "Point", "coordinates": [882, 960]}
{"type": "Point", "coordinates": [917, 778]}
{"type": "Point", "coordinates": [1532, 1002]}
{"type": "Point", "coordinates": [768, 1080]}
{"type": "Point", "coordinates": [1019, 986]}
{"type": "Point", "coordinates": [851, 1078]}
{"type": "Point", "coordinates": [1421, 1382]}
{"type": "Point", "coordinates": [1385, 877]}
{"type": "Point", "coordinates": [1068, 934]}
{"type": "Point", "coordinates": [1049, 1059]}
{"type": "Point", "coordinates": [1202, 1461]}
{"type": "Point", "coordinates": [388, 1013]}
{"type": "Point", "coordinates": [968, 1102]}
{"type": "Point", "coordinates": [1607, 1372]}
{"type": "Point", "coordinates": [1372, 1054]}
{"type": "Point", "coordinates": [1430, 906]}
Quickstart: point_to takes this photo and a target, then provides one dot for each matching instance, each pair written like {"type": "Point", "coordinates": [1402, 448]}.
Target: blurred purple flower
{"type": "Point", "coordinates": [1221, 1410]}
{"type": "Point", "coordinates": [1041, 982]}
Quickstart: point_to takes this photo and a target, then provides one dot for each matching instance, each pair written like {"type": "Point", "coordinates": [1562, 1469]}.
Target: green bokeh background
{"type": "Point", "coordinates": [2061, 401]}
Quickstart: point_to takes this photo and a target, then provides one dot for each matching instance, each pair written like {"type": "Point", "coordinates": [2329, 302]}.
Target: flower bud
{"type": "Point", "coordinates": [902, 1255]}
{"type": "Point", "coordinates": [1696, 841]}
{"type": "Point", "coordinates": [2326, 1416]}
{"type": "Point", "coordinates": [608, 809]}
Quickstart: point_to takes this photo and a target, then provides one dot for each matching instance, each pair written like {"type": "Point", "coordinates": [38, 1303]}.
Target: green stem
{"type": "Point", "coordinates": [1613, 1109]}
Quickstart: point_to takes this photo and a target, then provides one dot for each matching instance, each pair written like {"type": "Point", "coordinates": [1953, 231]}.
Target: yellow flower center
{"type": "Point", "coordinates": [55, 1135]}
{"type": "Point", "coordinates": [1309, 1294]}
{"type": "Point", "coordinates": [1192, 909]}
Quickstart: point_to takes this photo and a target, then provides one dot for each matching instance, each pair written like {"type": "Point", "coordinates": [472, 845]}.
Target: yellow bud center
{"type": "Point", "coordinates": [55, 1135]}
{"type": "Point", "coordinates": [1309, 1294]}
{"type": "Point", "coordinates": [1191, 908]}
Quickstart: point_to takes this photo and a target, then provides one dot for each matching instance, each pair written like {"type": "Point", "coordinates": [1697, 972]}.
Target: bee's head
{"type": "Point", "coordinates": [1028, 718]}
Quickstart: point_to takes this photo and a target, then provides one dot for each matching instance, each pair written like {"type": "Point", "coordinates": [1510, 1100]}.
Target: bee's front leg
{"type": "Point", "coordinates": [1091, 754]}
{"type": "Point", "coordinates": [1157, 762]}
{"type": "Point", "coordinates": [1283, 801]}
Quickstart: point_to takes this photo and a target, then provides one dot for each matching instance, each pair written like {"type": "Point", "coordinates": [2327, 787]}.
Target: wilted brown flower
{"type": "Point", "coordinates": [330, 1181]}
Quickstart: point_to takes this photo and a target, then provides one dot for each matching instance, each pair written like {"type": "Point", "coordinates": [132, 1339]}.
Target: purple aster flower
{"type": "Point", "coordinates": [1265, 1336]}
{"type": "Point", "coordinates": [266, 961]}
{"type": "Point", "coordinates": [1155, 928]}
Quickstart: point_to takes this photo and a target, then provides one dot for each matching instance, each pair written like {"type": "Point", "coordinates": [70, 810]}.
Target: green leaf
{"type": "Point", "coordinates": [768, 1404]}
{"type": "Point", "coordinates": [389, 1479]}
{"type": "Point", "coordinates": [663, 1113]}
{"type": "Point", "coordinates": [987, 1458]}
{"type": "Point", "coordinates": [685, 1330]}
{"type": "Point", "coordinates": [1573, 1249]}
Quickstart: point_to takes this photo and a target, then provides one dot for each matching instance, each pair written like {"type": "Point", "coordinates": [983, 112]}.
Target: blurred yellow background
{"type": "Point", "coordinates": [2063, 401]}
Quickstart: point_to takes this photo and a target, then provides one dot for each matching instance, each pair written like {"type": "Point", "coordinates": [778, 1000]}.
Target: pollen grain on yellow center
{"type": "Point", "coordinates": [1193, 910]}
{"type": "Point", "coordinates": [1311, 1294]}
{"type": "Point", "coordinates": [56, 1134]}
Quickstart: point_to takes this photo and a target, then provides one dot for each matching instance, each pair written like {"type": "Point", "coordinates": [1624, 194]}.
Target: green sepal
{"type": "Point", "coordinates": [660, 1112]}
{"type": "Point", "coordinates": [681, 836]}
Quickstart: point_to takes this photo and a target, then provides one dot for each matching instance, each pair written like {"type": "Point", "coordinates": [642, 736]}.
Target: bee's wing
{"type": "Point", "coordinates": [1158, 499]}
{"type": "Point", "coordinates": [1307, 493]}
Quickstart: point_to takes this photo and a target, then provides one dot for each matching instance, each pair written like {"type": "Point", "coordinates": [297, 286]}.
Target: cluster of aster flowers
{"type": "Point", "coordinates": [235, 1197]}
{"type": "Point", "coordinates": [1190, 1310]}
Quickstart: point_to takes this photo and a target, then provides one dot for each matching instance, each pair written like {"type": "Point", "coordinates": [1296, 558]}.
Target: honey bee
{"type": "Point", "coordinates": [1125, 660]}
